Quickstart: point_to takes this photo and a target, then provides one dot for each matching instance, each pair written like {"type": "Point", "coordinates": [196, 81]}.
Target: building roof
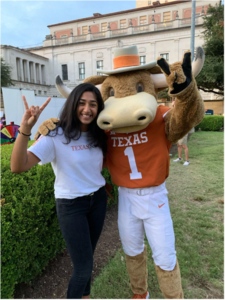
{"type": "Point", "coordinates": [98, 16]}
{"type": "Point", "coordinates": [22, 50]}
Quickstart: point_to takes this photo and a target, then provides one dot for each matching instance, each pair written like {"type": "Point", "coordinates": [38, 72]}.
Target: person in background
{"type": "Point", "coordinates": [75, 149]}
{"type": "Point", "coordinates": [3, 119]}
{"type": "Point", "coordinates": [3, 122]}
{"type": "Point", "coordinates": [182, 144]}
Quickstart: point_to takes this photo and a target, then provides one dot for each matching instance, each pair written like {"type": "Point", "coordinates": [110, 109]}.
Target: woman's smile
{"type": "Point", "coordinates": [87, 109]}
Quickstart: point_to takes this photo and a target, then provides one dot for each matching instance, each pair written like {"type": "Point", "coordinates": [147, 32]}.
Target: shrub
{"type": "Point", "coordinates": [30, 230]}
{"type": "Point", "coordinates": [114, 191]}
{"type": "Point", "coordinates": [223, 120]}
{"type": "Point", "coordinates": [163, 95]}
{"type": "Point", "coordinates": [211, 123]}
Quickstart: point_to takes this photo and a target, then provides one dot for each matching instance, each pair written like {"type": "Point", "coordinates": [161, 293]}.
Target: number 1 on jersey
{"type": "Point", "coordinates": [133, 166]}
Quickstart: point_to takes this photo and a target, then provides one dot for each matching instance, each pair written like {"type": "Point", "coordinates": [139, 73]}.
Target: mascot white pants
{"type": "Point", "coordinates": [146, 211]}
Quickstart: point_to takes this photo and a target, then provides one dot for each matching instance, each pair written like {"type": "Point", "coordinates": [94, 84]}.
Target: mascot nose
{"type": "Point", "coordinates": [143, 115]}
{"type": "Point", "coordinates": [105, 121]}
{"type": "Point", "coordinates": [142, 118]}
{"type": "Point", "coordinates": [139, 117]}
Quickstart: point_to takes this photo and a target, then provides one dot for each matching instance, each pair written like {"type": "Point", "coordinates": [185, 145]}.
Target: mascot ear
{"type": "Point", "coordinates": [65, 91]}
{"type": "Point", "coordinates": [97, 79]}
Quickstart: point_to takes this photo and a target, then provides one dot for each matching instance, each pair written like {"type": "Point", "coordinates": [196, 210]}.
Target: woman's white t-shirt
{"type": "Point", "coordinates": [77, 165]}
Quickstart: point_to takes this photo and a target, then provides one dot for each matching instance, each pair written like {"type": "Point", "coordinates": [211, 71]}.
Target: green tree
{"type": "Point", "coordinates": [5, 74]}
{"type": "Point", "coordinates": [211, 78]}
{"type": "Point", "coordinates": [164, 95]}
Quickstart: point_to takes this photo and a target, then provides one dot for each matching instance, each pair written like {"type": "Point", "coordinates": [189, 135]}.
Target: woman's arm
{"type": "Point", "coordinates": [21, 159]}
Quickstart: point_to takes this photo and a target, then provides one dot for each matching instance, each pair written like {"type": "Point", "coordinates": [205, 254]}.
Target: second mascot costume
{"type": "Point", "coordinates": [140, 135]}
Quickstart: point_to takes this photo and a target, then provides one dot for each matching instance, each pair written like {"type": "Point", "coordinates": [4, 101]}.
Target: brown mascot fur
{"type": "Point", "coordinates": [127, 90]}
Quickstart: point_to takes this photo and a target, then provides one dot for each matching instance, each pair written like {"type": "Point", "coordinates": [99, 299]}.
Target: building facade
{"type": "Point", "coordinates": [75, 49]}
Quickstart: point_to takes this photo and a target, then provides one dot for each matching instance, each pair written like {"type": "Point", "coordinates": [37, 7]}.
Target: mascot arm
{"type": "Point", "coordinates": [45, 127]}
{"type": "Point", "coordinates": [189, 107]}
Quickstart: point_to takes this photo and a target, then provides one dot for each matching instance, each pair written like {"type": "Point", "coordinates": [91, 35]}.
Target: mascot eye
{"type": "Point", "coordinates": [140, 87]}
{"type": "Point", "coordinates": [111, 92]}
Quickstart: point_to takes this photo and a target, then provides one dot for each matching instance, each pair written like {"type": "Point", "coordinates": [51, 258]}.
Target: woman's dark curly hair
{"type": "Point", "coordinates": [70, 123]}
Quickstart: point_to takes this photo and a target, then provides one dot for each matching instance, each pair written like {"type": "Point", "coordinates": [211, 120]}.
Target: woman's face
{"type": "Point", "coordinates": [87, 109]}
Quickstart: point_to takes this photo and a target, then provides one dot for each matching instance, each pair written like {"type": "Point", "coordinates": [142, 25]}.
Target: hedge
{"type": "Point", "coordinates": [30, 231]}
{"type": "Point", "coordinates": [211, 123]}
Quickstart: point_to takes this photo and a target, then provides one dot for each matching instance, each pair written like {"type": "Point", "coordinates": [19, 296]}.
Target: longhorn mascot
{"type": "Point", "coordinates": [140, 135]}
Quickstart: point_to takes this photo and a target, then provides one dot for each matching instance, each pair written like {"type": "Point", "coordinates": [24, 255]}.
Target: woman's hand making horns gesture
{"type": "Point", "coordinates": [31, 115]}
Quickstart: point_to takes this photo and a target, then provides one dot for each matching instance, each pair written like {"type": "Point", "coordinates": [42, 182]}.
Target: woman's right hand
{"type": "Point", "coordinates": [31, 115]}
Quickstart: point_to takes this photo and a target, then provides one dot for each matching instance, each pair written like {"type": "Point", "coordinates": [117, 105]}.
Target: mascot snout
{"type": "Point", "coordinates": [128, 114]}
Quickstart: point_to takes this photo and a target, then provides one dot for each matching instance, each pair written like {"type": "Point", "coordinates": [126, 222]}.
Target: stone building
{"type": "Point", "coordinates": [29, 71]}
{"type": "Point", "coordinates": [75, 49]}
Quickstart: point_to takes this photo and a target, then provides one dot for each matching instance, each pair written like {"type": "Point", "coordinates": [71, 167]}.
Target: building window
{"type": "Point", "coordinates": [149, 2]}
{"type": "Point", "coordinates": [142, 60]}
{"type": "Point", "coordinates": [165, 55]}
{"type": "Point", "coordinates": [84, 30]}
{"type": "Point", "coordinates": [63, 36]}
{"type": "Point", "coordinates": [143, 20]}
{"type": "Point", "coordinates": [39, 92]}
{"type": "Point", "coordinates": [166, 16]}
{"type": "Point", "coordinates": [99, 64]}
{"type": "Point", "coordinates": [123, 23]}
{"type": "Point", "coordinates": [81, 70]}
{"type": "Point", "coordinates": [104, 26]}
{"type": "Point", "coordinates": [45, 92]}
{"type": "Point", "coordinates": [64, 72]}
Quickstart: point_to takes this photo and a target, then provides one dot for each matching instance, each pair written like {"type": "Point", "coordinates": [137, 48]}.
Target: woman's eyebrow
{"type": "Point", "coordinates": [90, 100]}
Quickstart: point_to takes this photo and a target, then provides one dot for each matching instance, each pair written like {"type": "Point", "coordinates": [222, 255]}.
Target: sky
{"type": "Point", "coordinates": [24, 23]}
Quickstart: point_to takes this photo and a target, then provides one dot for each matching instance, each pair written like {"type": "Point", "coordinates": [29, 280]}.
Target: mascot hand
{"type": "Point", "coordinates": [179, 74]}
{"type": "Point", "coordinates": [46, 126]}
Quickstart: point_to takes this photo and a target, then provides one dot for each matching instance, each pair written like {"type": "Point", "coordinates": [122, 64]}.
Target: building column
{"type": "Point", "coordinates": [28, 71]}
{"type": "Point", "coordinates": [34, 72]}
{"type": "Point", "coordinates": [40, 76]}
{"type": "Point", "coordinates": [43, 75]}
{"type": "Point", "coordinates": [31, 72]}
{"type": "Point", "coordinates": [37, 73]}
{"type": "Point", "coordinates": [21, 69]}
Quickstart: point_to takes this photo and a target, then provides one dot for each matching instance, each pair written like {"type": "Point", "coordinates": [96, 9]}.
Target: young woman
{"type": "Point", "coordinates": [75, 150]}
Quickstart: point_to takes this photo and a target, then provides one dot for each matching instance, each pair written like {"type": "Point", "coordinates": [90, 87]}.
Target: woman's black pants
{"type": "Point", "coordinates": [81, 221]}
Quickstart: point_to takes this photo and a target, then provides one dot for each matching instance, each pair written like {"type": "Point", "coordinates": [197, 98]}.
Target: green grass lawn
{"type": "Point", "coordinates": [196, 204]}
